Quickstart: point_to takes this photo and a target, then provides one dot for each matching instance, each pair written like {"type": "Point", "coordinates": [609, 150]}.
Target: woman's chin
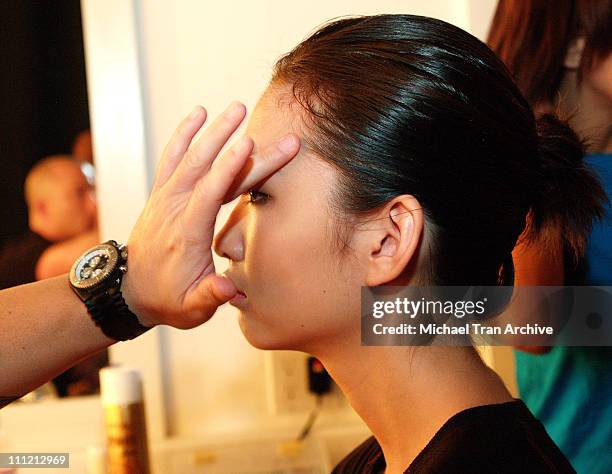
{"type": "Point", "coordinates": [256, 337]}
{"type": "Point", "coordinates": [265, 343]}
{"type": "Point", "coordinates": [261, 338]}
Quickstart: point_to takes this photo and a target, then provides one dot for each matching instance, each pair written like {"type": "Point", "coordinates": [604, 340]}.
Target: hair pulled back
{"type": "Point", "coordinates": [403, 104]}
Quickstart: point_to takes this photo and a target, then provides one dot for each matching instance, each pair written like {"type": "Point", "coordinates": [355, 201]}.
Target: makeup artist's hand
{"type": "Point", "coordinates": [171, 276]}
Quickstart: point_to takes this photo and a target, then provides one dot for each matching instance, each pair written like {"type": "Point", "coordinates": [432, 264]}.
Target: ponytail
{"type": "Point", "coordinates": [569, 196]}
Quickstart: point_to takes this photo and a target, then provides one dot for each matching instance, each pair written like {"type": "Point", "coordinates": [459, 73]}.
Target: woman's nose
{"type": "Point", "coordinates": [228, 243]}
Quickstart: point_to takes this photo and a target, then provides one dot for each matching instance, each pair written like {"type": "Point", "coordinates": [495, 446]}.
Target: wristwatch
{"type": "Point", "coordinates": [96, 278]}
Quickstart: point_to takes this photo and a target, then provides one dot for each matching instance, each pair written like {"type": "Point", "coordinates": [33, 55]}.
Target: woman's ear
{"type": "Point", "coordinates": [573, 55]}
{"type": "Point", "coordinates": [394, 239]}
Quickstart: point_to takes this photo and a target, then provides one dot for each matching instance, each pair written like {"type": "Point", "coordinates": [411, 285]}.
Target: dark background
{"type": "Point", "coordinates": [43, 94]}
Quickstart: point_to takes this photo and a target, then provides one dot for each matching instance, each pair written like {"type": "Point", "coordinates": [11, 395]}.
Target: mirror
{"type": "Point", "coordinates": [48, 201]}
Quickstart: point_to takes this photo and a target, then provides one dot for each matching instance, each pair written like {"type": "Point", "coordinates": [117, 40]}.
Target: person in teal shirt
{"type": "Point", "coordinates": [570, 388]}
{"type": "Point", "coordinates": [560, 53]}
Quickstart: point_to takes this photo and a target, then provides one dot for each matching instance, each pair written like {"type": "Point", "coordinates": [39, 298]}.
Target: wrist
{"type": "Point", "coordinates": [98, 277]}
{"type": "Point", "coordinates": [135, 301]}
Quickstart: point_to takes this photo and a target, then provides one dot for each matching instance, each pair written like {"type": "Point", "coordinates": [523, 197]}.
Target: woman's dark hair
{"type": "Point", "coordinates": [533, 36]}
{"type": "Point", "coordinates": [403, 104]}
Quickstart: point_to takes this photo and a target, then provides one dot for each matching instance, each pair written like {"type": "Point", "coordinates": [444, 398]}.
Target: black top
{"type": "Point", "coordinates": [18, 258]}
{"type": "Point", "coordinates": [499, 438]}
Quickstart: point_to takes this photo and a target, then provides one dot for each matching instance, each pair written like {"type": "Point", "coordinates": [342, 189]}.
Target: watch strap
{"type": "Point", "coordinates": [111, 314]}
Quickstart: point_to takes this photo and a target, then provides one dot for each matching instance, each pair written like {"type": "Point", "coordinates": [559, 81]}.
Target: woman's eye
{"type": "Point", "coordinates": [257, 196]}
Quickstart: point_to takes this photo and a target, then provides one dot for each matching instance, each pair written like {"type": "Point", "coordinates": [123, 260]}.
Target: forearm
{"type": "Point", "coordinates": [45, 329]}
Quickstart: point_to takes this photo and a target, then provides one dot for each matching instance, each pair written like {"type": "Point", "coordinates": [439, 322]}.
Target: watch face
{"type": "Point", "coordinates": [94, 266]}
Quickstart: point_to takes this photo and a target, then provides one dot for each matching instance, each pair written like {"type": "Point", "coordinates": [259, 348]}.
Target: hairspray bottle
{"type": "Point", "coordinates": [124, 417]}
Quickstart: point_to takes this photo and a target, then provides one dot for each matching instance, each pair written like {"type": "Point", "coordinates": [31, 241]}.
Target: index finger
{"type": "Point", "coordinates": [178, 144]}
{"type": "Point", "coordinates": [201, 155]}
{"type": "Point", "coordinates": [263, 163]}
{"type": "Point", "coordinates": [228, 178]}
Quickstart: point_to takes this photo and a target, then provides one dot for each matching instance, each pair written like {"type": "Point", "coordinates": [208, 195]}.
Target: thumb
{"type": "Point", "coordinates": [212, 291]}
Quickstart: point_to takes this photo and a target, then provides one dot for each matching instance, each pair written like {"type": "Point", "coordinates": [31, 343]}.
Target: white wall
{"type": "Point", "coordinates": [203, 52]}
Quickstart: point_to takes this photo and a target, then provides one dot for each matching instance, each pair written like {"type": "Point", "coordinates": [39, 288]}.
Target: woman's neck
{"type": "Point", "coordinates": [587, 111]}
{"type": "Point", "coordinates": [406, 394]}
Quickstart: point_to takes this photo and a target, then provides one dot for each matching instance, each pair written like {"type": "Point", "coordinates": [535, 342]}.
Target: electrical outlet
{"type": "Point", "coordinates": [287, 385]}
{"type": "Point", "coordinates": [286, 382]}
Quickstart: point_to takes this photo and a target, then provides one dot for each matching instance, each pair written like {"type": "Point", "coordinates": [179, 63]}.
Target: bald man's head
{"type": "Point", "coordinates": [60, 201]}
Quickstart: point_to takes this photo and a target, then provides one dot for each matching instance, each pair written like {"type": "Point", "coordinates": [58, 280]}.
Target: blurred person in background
{"type": "Point", "coordinates": [62, 209]}
{"type": "Point", "coordinates": [62, 216]}
{"type": "Point", "coordinates": [62, 221]}
{"type": "Point", "coordinates": [560, 53]}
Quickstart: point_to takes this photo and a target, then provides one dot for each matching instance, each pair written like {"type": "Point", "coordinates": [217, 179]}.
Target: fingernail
{"type": "Point", "coordinates": [235, 109]}
{"type": "Point", "coordinates": [195, 113]}
{"type": "Point", "coordinates": [287, 144]}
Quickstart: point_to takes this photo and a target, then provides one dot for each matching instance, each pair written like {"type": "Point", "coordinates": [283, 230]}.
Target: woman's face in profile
{"type": "Point", "coordinates": [299, 291]}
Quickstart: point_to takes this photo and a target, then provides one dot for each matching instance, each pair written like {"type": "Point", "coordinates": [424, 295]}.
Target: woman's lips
{"type": "Point", "coordinates": [240, 295]}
